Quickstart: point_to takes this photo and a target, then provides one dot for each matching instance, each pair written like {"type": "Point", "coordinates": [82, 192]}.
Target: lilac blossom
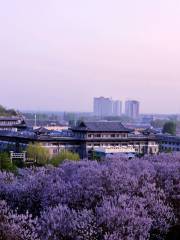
{"type": "Point", "coordinates": [16, 226]}
{"type": "Point", "coordinates": [109, 200]}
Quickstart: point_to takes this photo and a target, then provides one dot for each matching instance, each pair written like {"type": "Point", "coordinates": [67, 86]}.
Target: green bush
{"type": "Point", "coordinates": [63, 155]}
{"type": "Point", "coordinates": [5, 163]}
{"type": "Point", "coordinates": [38, 153]}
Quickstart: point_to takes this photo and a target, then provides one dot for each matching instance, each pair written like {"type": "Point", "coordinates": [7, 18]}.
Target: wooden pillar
{"type": "Point", "coordinates": [24, 156]}
{"type": "Point", "coordinates": [83, 151]}
{"type": "Point", "coordinates": [17, 147]}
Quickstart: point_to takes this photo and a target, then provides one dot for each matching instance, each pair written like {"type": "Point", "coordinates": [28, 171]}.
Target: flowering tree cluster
{"type": "Point", "coordinates": [87, 200]}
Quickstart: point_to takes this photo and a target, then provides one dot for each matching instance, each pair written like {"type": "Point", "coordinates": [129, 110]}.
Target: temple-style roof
{"type": "Point", "coordinates": [102, 126]}
{"type": "Point", "coordinates": [149, 131]}
{"type": "Point", "coordinates": [41, 131]}
{"type": "Point", "coordinates": [13, 118]}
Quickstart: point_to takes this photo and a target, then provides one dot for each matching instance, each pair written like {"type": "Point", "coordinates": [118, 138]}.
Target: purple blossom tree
{"type": "Point", "coordinates": [109, 200]}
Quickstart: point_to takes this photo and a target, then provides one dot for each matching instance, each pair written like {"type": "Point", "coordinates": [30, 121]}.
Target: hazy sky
{"type": "Point", "coordinates": [59, 54]}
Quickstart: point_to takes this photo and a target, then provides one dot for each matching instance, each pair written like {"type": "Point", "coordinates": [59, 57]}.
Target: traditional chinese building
{"type": "Point", "coordinates": [12, 124]}
{"type": "Point", "coordinates": [86, 138]}
{"type": "Point", "coordinates": [107, 134]}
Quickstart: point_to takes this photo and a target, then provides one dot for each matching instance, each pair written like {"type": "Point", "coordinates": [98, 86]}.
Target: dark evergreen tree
{"type": "Point", "coordinates": [170, 127]}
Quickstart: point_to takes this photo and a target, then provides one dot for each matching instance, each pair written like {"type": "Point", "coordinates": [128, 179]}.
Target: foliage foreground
{"type": "Point", "coordinates": [86, 200]}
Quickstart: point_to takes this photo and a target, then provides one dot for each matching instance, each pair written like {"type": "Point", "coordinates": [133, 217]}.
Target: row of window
{"type": "Point", "coordinates": [113, 145]}
{"type": "Point", "coordinates": [106, 145]}
{"type": "Point", "coordinates": [107, 135]}
{"type": "Point", "coordinates": [170, 149]}
{"type": "Point", "coordinates": [7, 129]}
{"type": "Point", "coordinates": [9, 122]}
{"type": "Point", "coordinates": [172, 143]}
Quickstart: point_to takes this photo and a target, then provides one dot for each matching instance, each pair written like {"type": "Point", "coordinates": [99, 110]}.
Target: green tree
{"type": "Point", "coordinates": [5, 163]}
{"type": "Point", "coordinates": [158, 123]}
{"type": "Point", "coordinates": [38, 153]}
{"type": "Point", "coordinates": [63, 155]}
{"type": "Point", "coordinates": [7, 112]}
{"type": "Point", "coordinates": [170, 127]}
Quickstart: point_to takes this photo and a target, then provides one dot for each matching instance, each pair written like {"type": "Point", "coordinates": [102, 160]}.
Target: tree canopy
{"type": "Point", "coordinates": [112, 200]}
{"type": "Point", "coordinates": [64, 155]}
{"type": "Point", "coordinates": [170, 127]}
{"type": "Point", "coordinates": [7, 112]}
{"type": "Point", "coordinates": [38, 153]}
{"type": "Point", "coordinates": [5, 162]}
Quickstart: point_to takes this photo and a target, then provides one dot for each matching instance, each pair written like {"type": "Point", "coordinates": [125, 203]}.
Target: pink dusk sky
{"type": "Point", "coordinates": [59, 54]}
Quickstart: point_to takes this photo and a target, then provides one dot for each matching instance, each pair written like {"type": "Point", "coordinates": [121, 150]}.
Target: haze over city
{"type": "Point", "coordinates": [58, 55]}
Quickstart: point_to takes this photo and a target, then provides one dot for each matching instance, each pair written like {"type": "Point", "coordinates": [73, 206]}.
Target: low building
{"type": "Point", "coordinates": [168, 143]}
{"type": "Point", "coordinates": [114, 152]}
{"type": "Point", "coordinates": [87, 137]}
{"type": "Point", "coordinates": [106, 134]}
{"type": "Point", "coordinates": [12, 124]}
{"type": "Point", "coordinates": [58, 128]}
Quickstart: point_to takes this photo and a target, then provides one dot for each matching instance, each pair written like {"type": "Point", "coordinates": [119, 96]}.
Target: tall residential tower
{"type": "Point", "coordinates": [116, 108]}
{"type": "Point", "coordinates": [104, 107]}
{"type": "Point", "coordinates": [132, 108]}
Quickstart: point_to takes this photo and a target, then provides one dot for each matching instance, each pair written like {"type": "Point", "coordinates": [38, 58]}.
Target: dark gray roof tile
{"type": "Point", "coordinates": [102, 126]}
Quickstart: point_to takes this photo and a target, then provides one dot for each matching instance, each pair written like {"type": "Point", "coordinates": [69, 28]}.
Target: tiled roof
{"type": "Point", "coordinates": [14, 118]}
{"type": "Point", "coordinates": [102, 126]}
{"type": "Point", "coordinates": [149, 131]}
{"type": "Point", "coordinates": [41, 130]}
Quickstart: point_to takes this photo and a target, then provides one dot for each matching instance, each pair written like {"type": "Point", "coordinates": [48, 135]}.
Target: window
{"type": "Point", "coordinates": [124, 144]}
{"type": "Point", "coordinates": [97, 145]}
{"type": "Point", "coordinates": [98, 135]}
{"type": "Point", "coordinates": [90, 135]}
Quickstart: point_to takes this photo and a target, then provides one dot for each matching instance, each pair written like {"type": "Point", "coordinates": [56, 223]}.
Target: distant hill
{"type": "Point", "coordinates": [7, 112]}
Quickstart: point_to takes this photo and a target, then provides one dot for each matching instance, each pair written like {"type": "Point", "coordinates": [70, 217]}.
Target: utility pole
{"type": "Point", "coordinates": [35, 120]}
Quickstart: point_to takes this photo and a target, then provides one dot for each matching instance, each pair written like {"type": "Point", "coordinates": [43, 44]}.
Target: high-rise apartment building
{"type": "Point", "coordinates": [102, 107]}
{"type": "Point", "coordinates": [132, 108]}
{"type": "Point", "coordinates": [107, 107]}
{"type": "Point", "coordinates": [116, 108]}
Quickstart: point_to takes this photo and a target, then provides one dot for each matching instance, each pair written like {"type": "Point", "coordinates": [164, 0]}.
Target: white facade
{"type": "Point", "coordinates": [118, 149]}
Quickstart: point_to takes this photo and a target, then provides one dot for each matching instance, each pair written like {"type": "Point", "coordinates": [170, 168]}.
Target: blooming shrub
{"type": "Point", "coordinates": [87, 200]}
{"type": "Point", "coordinates": [16, 226]}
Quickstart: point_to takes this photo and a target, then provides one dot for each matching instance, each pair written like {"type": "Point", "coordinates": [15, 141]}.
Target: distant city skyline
{"type": "Point", "coordinates": [90, 110]}
{"type": "Point", "coordinates": [57, 55]}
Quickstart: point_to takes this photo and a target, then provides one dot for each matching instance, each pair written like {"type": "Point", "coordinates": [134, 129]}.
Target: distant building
{"type": "Point", "coordinates": [132, 109]}
{"type": "Point", "coordinates": [102, 107]}
{"type": "Point", "coordinates": [168, 143]}
{"type": "Point", "coordinates": [12, 124]}
{"type": "Point", "coordinates": [54, 128]}
{"type": "Point", "coordinates": [117, 108]}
